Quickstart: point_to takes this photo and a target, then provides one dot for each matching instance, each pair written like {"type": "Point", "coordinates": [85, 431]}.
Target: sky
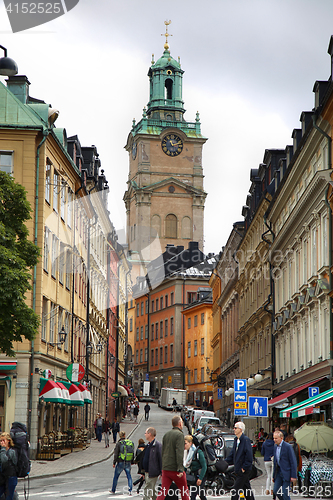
{"type": "Point", "coordinates": [250, 67]}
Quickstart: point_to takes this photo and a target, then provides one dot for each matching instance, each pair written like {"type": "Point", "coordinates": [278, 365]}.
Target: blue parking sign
{"type": "Point", "coordinates": [240, 385]}
{"type": "Point", "coordinates": [313, 391]}
{"type": "Point", "coordinates": [258, 407]}
{"type": "Point", "coordinates": [220, 393]}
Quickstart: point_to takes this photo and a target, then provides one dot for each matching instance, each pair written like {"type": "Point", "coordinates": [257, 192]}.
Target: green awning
{"type": "Point", "coordinates": [307, 407]}
{"type": "Point", "coordinates": [6, 365]}
{"type": "Point", "coordinates": [287, 412]}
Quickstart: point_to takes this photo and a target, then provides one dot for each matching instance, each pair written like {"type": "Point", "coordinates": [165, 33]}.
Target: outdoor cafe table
{"type": "Point", "coordinates": [321, 469]}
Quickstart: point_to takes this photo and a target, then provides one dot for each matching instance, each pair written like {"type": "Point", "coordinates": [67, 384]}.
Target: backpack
{"type": "Point", "coordinates": [206, 444]}
{"type": "Point", "coordinates": [19, 435]}
{"type": "Point", "coordinates": [126, 450]}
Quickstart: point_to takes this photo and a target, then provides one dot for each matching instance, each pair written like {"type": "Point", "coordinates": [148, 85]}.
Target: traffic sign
{"type": "Point", "coordinates": [219, 393]}
{"type": "Point", "coordinates": [240, 396]}
{"type": "Point", "coordinates": [238, 405]}
{"type": "Point", "coordinates": [313, 391]}
{"type": "Point", "coordinates": [240, 385]}
{"type": "Point", "coordinates": [258, 407]}
{"type": "Point", "coordinates": [240, 412]}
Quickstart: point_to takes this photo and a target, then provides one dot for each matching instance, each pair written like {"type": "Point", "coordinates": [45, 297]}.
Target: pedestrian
{"type": "Point", "coordinates": [172, 460]}
{"type": "Point", "coordinates": [297, 450]}
{"type": "Point", "coordinates": [99, 427]}
{"type": "Point", "coordinates": [139, 454]}
{"type": "Point", "coordinates": [174, 405]}
{"type": "Point", "coordinates": [241, 456]}
{"type": "Point", "coordinates": [106, 430]}
{"type": "Point", "coordinates": [136, 412]}
{"type": "Point", "coordinates": [195, 463]}
{"type": "Point", "coordinates": [260, 438]}
{"type": "Point", "coordinates": [211, 404]}
{"type": "Point", "coordinates": [132, 411]}
{"type": "Point", "coordinates": [8, 461]}
{"type": "Point", "coordinates": [283, 429]}
{"type": "Point", "coordinates": [267, 451]}
{"type": "Point", "coordinates": [115, 428]}
{"type": "Point", "coordinates": [147, 410]}
{"type": "Point", "coordinates": [285, 467]}
{"type": "Point", "coordinates": [95, 426]}
{"type": "Point", "coordinates": [122, 459]}
{"type": "Point", "coordinates": [152, 464]}
{"type": "Point", "coordinates": [204, 404]}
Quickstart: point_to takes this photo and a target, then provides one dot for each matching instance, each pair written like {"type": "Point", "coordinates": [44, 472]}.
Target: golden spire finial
{"type": "Point", "coordinates": [166, 34]}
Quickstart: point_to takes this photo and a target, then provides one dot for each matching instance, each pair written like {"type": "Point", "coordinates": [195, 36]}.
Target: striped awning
{"type": "Point", "coordinates": [50, 391]}
{"type": "Point", "coordinates": [308, 403]}
{"type": "Point", "coordinates": [85, 393]}
{"type": "Point", "coordinates": [122, 391]}
{"type": "Point", "coordinates": [65, 393]}
{"type": "Point", "coordinates": [8, 365]}
{"type": "Point", "coordinates": [308, 406]}
{"type": "Point", "coordinates": [282, 398]}
{"type": "Point", "coordinates": [75, 394]}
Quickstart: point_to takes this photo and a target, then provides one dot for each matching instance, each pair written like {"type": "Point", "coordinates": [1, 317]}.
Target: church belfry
{"type": "Point", "coordinates": [165, 196]}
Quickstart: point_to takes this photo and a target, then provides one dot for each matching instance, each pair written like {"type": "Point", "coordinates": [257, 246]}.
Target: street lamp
{"type": "Point", "coordinates": [8, 66]}
{"type": "Point", "coordinates": [62, 337]}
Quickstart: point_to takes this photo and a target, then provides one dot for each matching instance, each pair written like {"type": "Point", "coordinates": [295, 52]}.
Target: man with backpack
{"type": "Point", "coordinates": [122, 460]}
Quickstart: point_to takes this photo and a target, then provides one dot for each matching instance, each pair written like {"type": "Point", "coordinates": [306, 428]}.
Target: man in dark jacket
{"type": "Point", "coordinates": [172, 460]}
{"type": "Point", "coordinates": [285, 467]}
{"type": "Point", "coordinates": [147, 410]}
{"type": "Point", "coordinates": [115, 428]}
{"type": "Point", "coordinates": [241, 456]}
{"type": "Point", "coordinates": [151, 464]}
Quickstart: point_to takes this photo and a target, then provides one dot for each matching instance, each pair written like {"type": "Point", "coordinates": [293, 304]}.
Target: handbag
{"type": "Point", "coordinates": [190, 479]}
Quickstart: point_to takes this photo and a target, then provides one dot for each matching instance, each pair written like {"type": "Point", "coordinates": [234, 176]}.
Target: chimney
{"type": "Point", "coordinates": [297, 136]}
{"type": "Point", "coordinates": [19, 86]}
{"type": "Point", "coordinates": [289, 154]}
{"type": "Point", "coordinates": [305, 119]}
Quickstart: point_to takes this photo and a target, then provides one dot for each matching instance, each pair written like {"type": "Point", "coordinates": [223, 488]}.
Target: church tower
{"type": "Point", "coordinates": [165, 197]}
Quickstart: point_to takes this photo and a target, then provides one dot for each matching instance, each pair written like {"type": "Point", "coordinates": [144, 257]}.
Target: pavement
{"type": "Point", "coordinates": [94, 454]}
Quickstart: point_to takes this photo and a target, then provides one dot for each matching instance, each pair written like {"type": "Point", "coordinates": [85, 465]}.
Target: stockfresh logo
{"type": "Point", "coordinates": [24, 15]}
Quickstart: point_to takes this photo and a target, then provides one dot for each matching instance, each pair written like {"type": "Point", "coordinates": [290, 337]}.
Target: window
{"type": "Point", "coordinates": [161, 329]}
{"type": "Point", "coordinates": [54, 253]}
{"type": "Point", "coordinates": [141, 355]}
{"type": "Point", "coordinates": [195, 348]}
{"type": "Point", "coordinates": [131, 324]}
{"type": "Point", "coordinates": [156, 356]}
{"type": "Point", "coordinates": [152, 357]}
{"type": "Point", "coordinates": [165, 354]}
{"type": "Point", "coordinates": [55, 191]}
{"type": "Point", "coordinates": [52, 321]}
{"type": "Point", "coordinates": [195, 320]}
{"type": "Point", "coordinates": [161, 303]}
{"type": "Point", "coordinates": [69, 207]}
{"type": "Point", "coordinates": [156, 331]}
{"type": "Point", "coordinates": [48, 182]}
{"type": "Point", "coordinates": [195, 375]}
{"type": "Point", "coordinates": [68, 269]}
{"type": "Point", "coordinates": [171, 326]}
{"type": "Point", "coordinates": [141, 333]}
{"type": "Point", "coordinates": [202, 318]}
{"type": "Point", "coordinates": [137, 356]}
{"type": "Point", "coordinates": [156, 304]}
{"type": "Point", "coordinates": [166, 301]}
{"type": "Point", "coordinates": [63, 200]}
{"type": "Point", "coordinates": [147, 306]}
{"type": "Point", "coordinates": [44, 319]}
{"type": "Point", "coordinates": [171, 226]}
{"type": "Point", "coordinates": [152, 331]}
{"type": "Point", "coordinates": [137, 334]}
{"type": "Point", "coordinates": [171, 353]}
{"type": "Point", "coordinates": [146, 331]}
{"type": "Point", "coordinates": [61, 263]}
{"type": "Point", "coordinates": [171, 298]}
{"type": "Point", "coordinates": [6, 161]}
{"type": "Point", "coordinates": [161, 355]}
{"type": "Point", "coordinates": [142, 308]}
{"type": "Point", "coordinates": [188, 377]}
{"type": "Point", "coordinates": [166, 328]}
{"type": "Point", "coordinates": [202, 346]}
{"type": "Point", "coordinates": [152, 306]}
{"type": "Point", "coordinates": [137, 309]}
{"type": "Point", "coordinates": [146, 353]}
{"type": "Point", "coordinates": [202, 374]}
{"type": "Point", "coordinates": [191, 297]}
{"type": "Point", "coordinates": [188, 349]}
{"type": "Point", "coordinates": [188, 322]}
{"type": "Point", "coordinates": [46, 248]}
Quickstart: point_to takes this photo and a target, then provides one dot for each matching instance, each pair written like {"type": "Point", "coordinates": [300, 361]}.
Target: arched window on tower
{"type": "Point", "coordinates": [155, 228]}
{"type": "Point", "coordinates": [168, 88]}
{"type": "Point", "coordinates": [171, 226]}
{"type": "Point", "coordinates": [186, 228]}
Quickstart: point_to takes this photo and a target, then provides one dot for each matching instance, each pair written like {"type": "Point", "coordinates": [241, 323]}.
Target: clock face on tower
{"type": "Point", "coordinates": [172, 145]}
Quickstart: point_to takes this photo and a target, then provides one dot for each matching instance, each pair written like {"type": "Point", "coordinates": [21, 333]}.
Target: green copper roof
{"type": "Point", "coordinates": [14, 113]}
{"type": "Point", "coordinates": [166, 60]}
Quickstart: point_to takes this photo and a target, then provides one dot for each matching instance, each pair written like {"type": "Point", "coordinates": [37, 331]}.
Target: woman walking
{"type": "Point", "coordinates": [195, 463]}
{"type": "Point", "coordinates": [8, 460]}
{"type": "Point", "coordinates": [267, 451]}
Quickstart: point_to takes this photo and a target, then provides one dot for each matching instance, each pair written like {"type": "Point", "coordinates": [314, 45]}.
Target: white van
{"type": "Point", "coordinates": [195, 414]}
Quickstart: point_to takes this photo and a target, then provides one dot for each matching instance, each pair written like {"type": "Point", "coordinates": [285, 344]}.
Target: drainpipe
{"type": "Point", "coordinates": [34, 286]}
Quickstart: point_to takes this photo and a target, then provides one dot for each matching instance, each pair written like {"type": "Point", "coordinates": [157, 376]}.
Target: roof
{"type": "Point", "coordinates": [166, 60]}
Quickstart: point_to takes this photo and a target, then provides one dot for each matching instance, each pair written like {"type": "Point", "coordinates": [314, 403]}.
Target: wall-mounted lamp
{"type": "Point", "coordinates": [62, 338]}
{"type": "Point", "coordinates": [8, 67]}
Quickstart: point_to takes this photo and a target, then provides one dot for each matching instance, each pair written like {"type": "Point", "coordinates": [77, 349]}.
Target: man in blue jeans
{"type": "Point", "coordinates": [122, 459]}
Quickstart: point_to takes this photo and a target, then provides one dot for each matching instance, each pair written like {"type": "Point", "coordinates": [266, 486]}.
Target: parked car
{"type": "Point", "coordinates": [195, 414]}
{"type": "Point", "coordinates": [206, 420]}
{"type": "Point", "coordinates": [146, 399]}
